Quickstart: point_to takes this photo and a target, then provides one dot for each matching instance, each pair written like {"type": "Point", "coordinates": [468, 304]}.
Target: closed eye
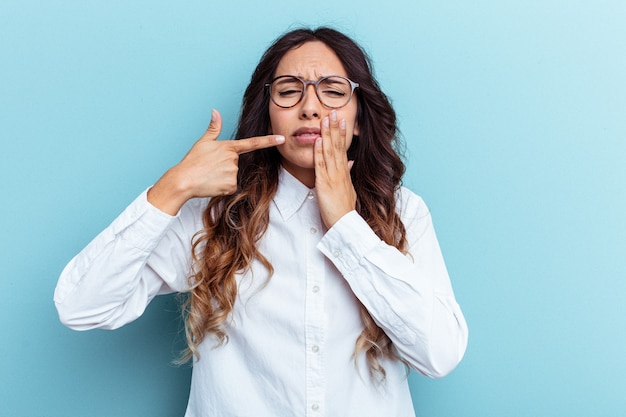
{"type": "Point", "coordinates": [334, 93]}
{"type": "Point", "coordinates": [287, 93]}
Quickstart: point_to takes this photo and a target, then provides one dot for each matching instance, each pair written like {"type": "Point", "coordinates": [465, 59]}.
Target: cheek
{"type": "Point", "coordinates": [352, 126]}
{"type": "Point", "coordinates": [278, 120]}
{"type": "Point", "coordinates": [351, 119]}
{"type": "Point", "coordinates": [274, 119]}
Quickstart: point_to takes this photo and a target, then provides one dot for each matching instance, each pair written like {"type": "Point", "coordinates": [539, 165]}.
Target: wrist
{"type": "Point", "coordinates": [170, 192]}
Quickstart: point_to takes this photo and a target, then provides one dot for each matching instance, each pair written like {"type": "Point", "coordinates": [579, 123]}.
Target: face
{"type": "Point", "coordinates": [301, 124]}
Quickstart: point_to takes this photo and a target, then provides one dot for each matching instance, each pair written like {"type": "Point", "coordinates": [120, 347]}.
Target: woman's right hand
{"type": "Point", "coordinates": [208, 170]}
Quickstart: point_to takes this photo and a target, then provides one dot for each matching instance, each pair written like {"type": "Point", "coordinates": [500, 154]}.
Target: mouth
{"type": "Point", "coordinates": [307, 135]}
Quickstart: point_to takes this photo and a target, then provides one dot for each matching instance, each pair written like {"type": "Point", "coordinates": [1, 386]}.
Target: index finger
{"type": "Point", "coordinates": [258, 142]}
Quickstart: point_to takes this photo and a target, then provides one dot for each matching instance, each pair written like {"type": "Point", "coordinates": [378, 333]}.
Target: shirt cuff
{"type": "Point", "coordinates": [348, 241]}
{"type": "Point", "coordinates": [148, 224]}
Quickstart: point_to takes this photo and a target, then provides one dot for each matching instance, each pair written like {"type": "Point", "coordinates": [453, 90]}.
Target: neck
{"type": "Point", "coordinates": [304, 175]}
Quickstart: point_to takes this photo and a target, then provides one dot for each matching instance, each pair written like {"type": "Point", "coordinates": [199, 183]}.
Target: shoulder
{"type": "Point", "coordinates": [410, 205]}
{"type": "Point", "coordinates": [195, 205]}
{"type": "Point", "coordinates": [190, 215]}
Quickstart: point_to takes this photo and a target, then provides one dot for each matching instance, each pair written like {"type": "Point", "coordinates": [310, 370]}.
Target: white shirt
{"type": "Point", "coordinates": [292, 337]}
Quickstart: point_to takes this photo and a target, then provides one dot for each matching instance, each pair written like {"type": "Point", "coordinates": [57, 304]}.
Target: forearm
{"type": "Point", "coordinates": [409, 296]}
{"type": "Point", "coordinates": [111, 281]}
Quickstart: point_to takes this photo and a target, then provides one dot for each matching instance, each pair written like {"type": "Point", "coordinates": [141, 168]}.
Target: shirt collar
{"type": "Point", "coordinates": [291, 194]}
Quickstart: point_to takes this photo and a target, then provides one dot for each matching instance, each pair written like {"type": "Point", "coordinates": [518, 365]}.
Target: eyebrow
{"type": "Point", "coordinates": [315, 73]}
{"type": "Point", "coordinates": [285, 80]}
{"type": "Point", "coordinates": [304, 78]}
{"type": "Point", "coordinates": [334, 82]}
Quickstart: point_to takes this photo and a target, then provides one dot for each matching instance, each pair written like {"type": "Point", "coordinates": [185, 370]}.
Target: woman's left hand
{"type": "Point", "coordinates": [335, 191]}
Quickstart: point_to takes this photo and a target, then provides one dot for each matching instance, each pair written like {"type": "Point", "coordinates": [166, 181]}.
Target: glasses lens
{"type": "Point", "coordinates": [286, 91]}
{"type": "Point", "coordinates": [334, 91]}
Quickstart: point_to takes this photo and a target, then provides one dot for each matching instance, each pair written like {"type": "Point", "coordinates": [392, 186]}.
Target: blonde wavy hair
{"type": "Point", "coordinates": [234, 224]}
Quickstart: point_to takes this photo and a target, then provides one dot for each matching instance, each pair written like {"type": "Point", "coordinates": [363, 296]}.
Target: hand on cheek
{"type": "Point", "coordinates": [334, 187]}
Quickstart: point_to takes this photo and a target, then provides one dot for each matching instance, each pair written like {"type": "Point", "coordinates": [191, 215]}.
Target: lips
{"type": "Point", "coordinates": [307, 134]}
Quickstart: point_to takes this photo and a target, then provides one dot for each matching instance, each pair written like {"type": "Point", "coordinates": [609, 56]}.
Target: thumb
{"type": "Point", "coordinates": [215, 127]}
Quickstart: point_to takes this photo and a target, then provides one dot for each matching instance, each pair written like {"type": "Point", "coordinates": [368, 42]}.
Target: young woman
{"type": "Point", "coordinates": [313, 278]}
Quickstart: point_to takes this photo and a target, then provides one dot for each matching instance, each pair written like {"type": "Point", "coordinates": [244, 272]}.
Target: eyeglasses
{"type": "Point", "coordinates": [333, 91]}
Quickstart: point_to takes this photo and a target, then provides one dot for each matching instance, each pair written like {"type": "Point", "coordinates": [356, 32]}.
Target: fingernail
{"type": "Point", "coordinates": [213, 115]}
{"type": "Point", "coordinates": [280, 139]}
{"type": "Point", "coordinates": [333, 115]}
{"type": "Point", "coordinates": [325, 122]}
{"type": "Point", "coordinates": [342, 124]}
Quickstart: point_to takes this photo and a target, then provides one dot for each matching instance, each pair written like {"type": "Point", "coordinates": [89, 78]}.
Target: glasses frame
{"type": "Point", "coordinates": [306, 83]}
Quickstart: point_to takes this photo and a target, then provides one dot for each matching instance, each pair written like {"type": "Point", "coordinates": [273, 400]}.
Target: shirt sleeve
{"type": "Point", "coordinates": [143, 253]}
{"type": "Point", "coordinates": [409, 296]}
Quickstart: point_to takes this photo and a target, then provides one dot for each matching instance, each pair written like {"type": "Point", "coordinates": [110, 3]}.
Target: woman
{"type": "Point", "coordinates": [313, 278]}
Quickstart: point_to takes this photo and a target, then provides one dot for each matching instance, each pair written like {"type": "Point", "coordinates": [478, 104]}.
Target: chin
{"type": "Point", "coordinates": [304, 159]}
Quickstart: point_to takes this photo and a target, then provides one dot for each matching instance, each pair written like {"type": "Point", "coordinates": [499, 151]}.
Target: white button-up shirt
{"type": "Point", "coordinates": [292, 335]}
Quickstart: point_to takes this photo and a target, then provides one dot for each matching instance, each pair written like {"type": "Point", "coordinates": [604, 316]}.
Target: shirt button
{"type": "Point", "coordinates": [315, 407]}
{"type": "Point", "coordinates": [310, 195]}
{"type": "Point", "coordinates": [313, 230]}
{"type": "Point", "coordinates": [315, 348]}
{"type": "Point", "coordinates": [336, 254]}
{"type": "Point", "coordinates": [316, 289]}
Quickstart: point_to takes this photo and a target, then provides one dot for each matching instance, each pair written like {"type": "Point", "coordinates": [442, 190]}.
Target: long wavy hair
{"type": "Point", "coordinates": [234, 224]}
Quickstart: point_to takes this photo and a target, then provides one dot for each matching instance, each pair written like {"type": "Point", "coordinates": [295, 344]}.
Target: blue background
{"type": "Point", "coordinates": [514, 114]}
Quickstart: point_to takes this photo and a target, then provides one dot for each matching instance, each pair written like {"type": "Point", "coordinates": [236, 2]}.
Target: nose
{"type": "Point", "coordinates": [310, 106]}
